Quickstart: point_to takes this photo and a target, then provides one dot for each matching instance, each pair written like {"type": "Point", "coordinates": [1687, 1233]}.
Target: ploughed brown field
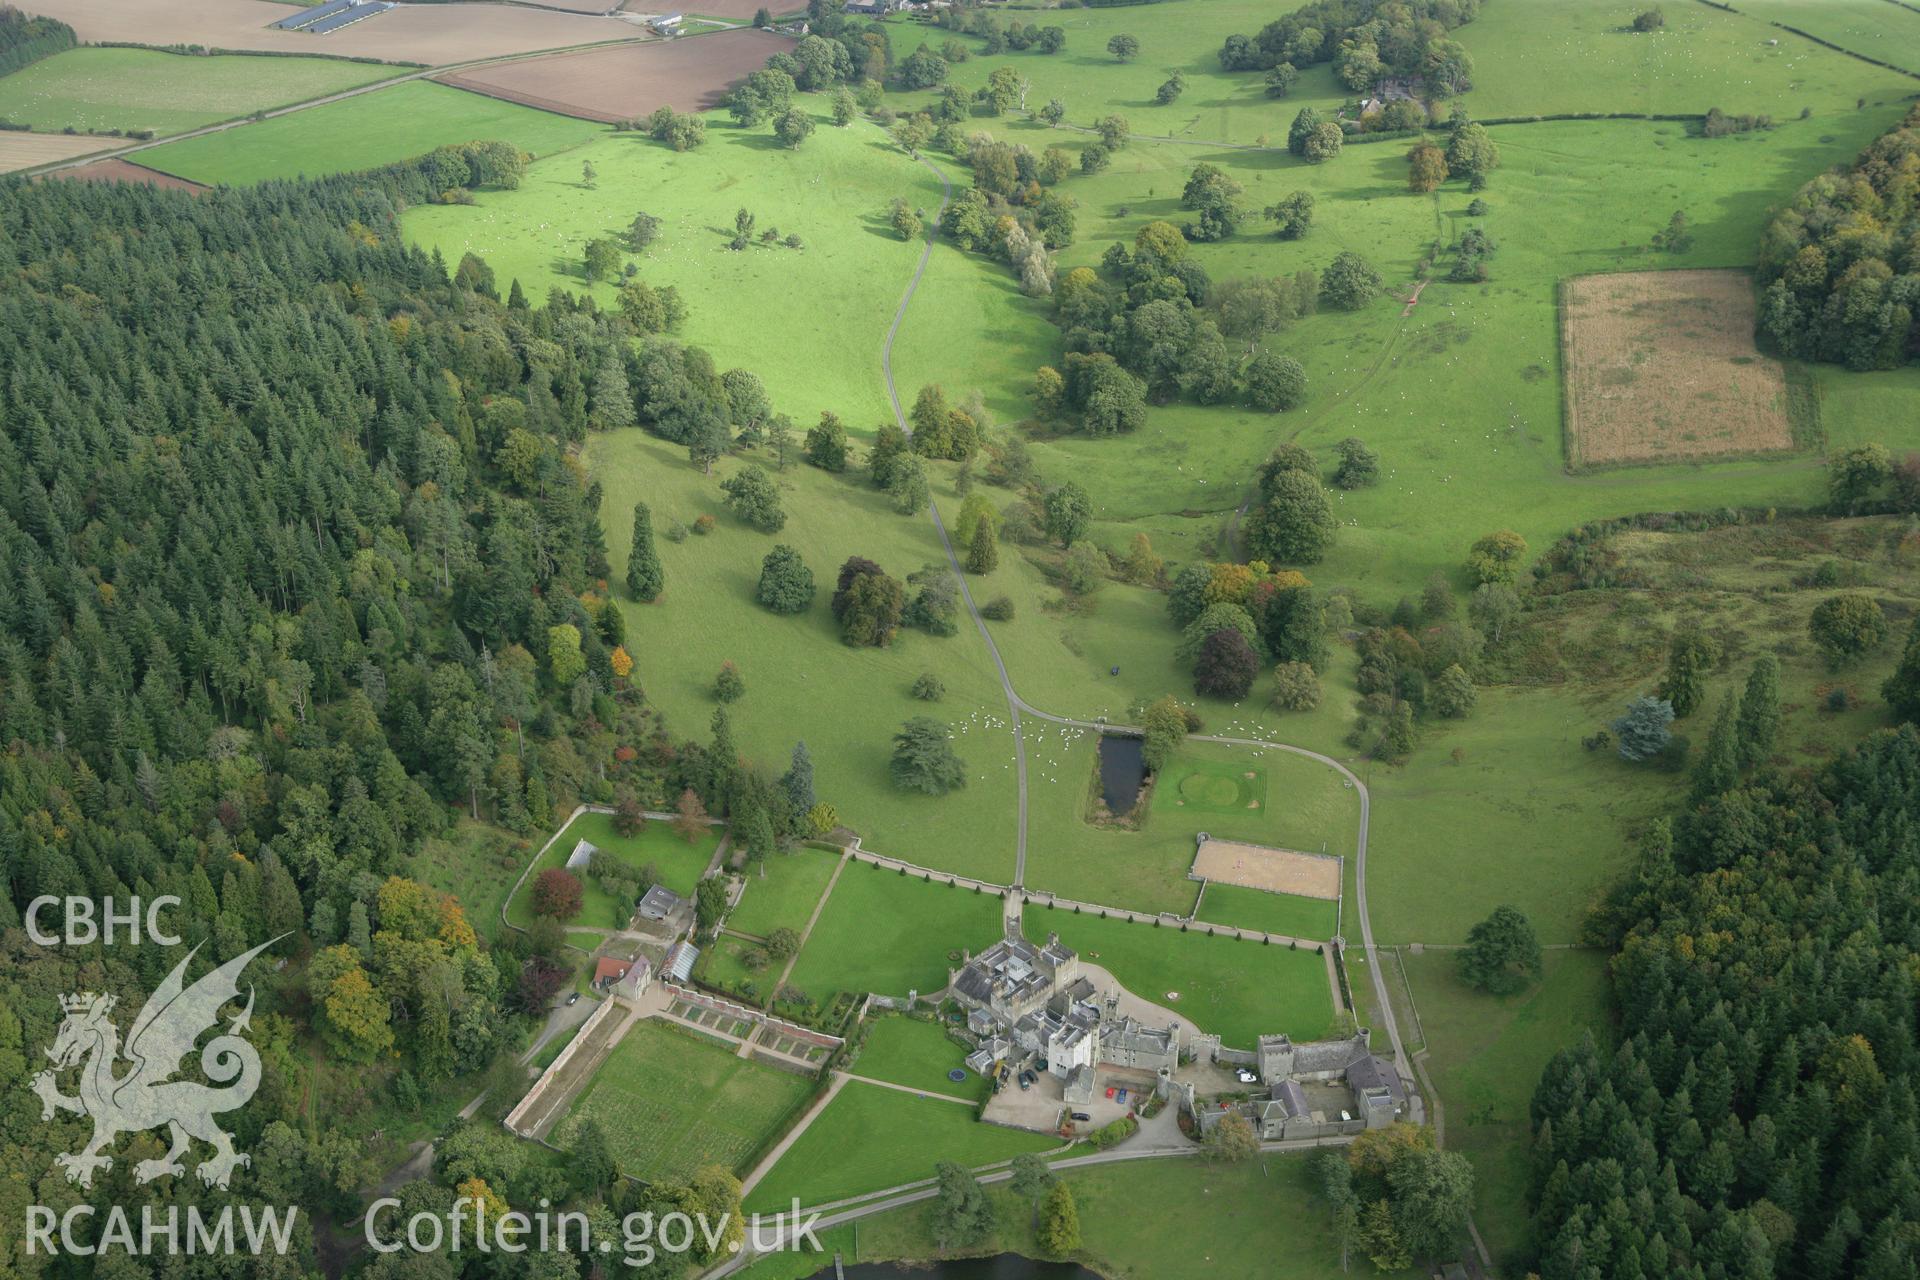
{"type": "Point", "coordinates": [432, 35]}
{"type": "Point", "coordinates": [117, 170]}
{"type": "Point", "coordinates": [624, 82]}
{"type": "Point", "coordinates": [1661, 367]}
{"type": "Point", "coordinates": [20, 150]}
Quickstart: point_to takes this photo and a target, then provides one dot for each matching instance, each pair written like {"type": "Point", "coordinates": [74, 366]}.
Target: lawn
{"type": "Point", "coordinates": [364, 132]}
{"type": "Point", "coordinates": [809, 322]}
{"type": "Point", "coordinates": [1235, 989]}
{"type": "Point", "coordinates": [1486, 1054]}
{"type": "Point", "coordinates": [1303, 805]}
{"type": "Point", "coordinates": [1283, 913]}
{"type": "Point", "coordinates": [670, 1103]}
{"type": "Point", "coordinates": [889, 933]}
{"type": "Point", "coordinates": [802, 681]}
{"type": "Point", "coordinates": [141, 89]}
{"type": "Point", "coordinates": [782, 892]}
{"type": "Point", "coordinates": [918, 1054]}
{"type": "Point", "coordinates": [679, 864]}
{"type": "Point", "coordinates": [1264, 1218]}
{"type": "Point", "coordinates": [870, 1138]}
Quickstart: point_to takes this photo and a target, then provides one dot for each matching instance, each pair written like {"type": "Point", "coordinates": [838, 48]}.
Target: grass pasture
{"type": "Point", "coordinates": [888, 933]}
{"type": "Point", "coordinates": [363, 132]}
{"type": "Point", "coordinates": [1540, 57]}
{"type": "Point", "coordinates": [1232, 988]}
{"type": "Point", "coordinates": [809, 322]}
{"type": "Point", "coordinates": [802, 681]}
{"type": "Point", "coordinates": [669, 1103]}
{"type": "Point", "coordinates": [1265, 1218]}
{"type": "Point", "coordinates": [1661, 367]}
{"type": "Point", "coordinates": [140, 89]}
{"type": "Point", "coordinates": [870, 1138]}
{"type": "Point", "coordinates": [1302, 805]}
{"type": "Point", "coordinates": [679, 863]}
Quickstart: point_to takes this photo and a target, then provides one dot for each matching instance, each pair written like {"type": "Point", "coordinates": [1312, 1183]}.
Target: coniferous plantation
{"type": "Point", "coordinates": [1758, 1116]}
{"type": "Point", "coordinates": [297, 574]}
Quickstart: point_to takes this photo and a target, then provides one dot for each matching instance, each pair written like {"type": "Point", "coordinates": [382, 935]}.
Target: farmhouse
{"type": "Point", "coordinates": [1317, 1089]}
{"type": "Point", "coordinates": [627, 979]}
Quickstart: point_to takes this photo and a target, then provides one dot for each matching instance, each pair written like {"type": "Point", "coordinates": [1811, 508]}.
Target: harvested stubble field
{"type": "Point", "coordinates": [431, 35]}
{"type": "Point", "coordinates": [117, 170]}
{"type": "Point", "coordinates": [624, 82]}
{"type": "Point", "coordinates": [1252, 866]}
{"type": "Point", "coordinates": [1661, 367]}
{"type": "Point", "coordinates": [20, 150]}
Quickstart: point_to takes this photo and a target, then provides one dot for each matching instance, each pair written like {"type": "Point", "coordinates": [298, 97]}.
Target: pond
{"type": "Point", "coordinates": [1006, 1266]}
{"type": "Point", "coordinates": [1122, 768]}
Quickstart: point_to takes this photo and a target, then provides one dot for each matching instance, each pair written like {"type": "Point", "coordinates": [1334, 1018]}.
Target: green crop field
{"type": "Point", "coordinates": [889, 933]}
{"type": "Point", "coordinates": [364, 132]}
{"type": "Point", "coordinates": [1234, 989]}
{"type": "Point", "coordinates": [679, 863]}
{"type": "Point", "coordinates": [802, 681]}
{"type": "Point", "coordinates": [782, 892]}
{"type": "Point", "coordinates": [670, 1103]}
{"type": "Point", "coordinates": [908, 1051]}
{"type": "Point", "coordinates": [140, 89]}
{"type": "Point", "coordinates": [871, 1137]}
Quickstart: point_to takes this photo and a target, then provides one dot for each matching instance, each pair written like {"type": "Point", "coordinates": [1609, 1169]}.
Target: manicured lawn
{"type": "Point", "coordinates": [1302, 805]}
{"type": "Point", "coordinates": [870, 1138]}
{"type": "Point", "coordinates": [137, 89]}
{"type": "Point", "coordinates": [783, 892]}
{"type": "Point", "coordinates": [669, 1103]}
{"type": "Point", "coordinates": [802, 681]}
{"type": "Point", "coordinates": [365, 132]}
{"type": "Point", "coordinates": [1286, 913]}
{"type": "Point", "coordinates": [885, 932]}
{"type": "Point", "coordinates": [917, 1054]}
{"type": "Point", "coordinates": [1486, 1054]}
{"type": "Point", "coordinates": [1235, 989]}
{"type": "Point", "coordinates": [809, 322]}
{"type": "Point", "coordinates": [656, 844]}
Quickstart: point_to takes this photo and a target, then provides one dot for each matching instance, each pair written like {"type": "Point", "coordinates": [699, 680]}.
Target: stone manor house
{"type": "Point", "coordinates": [1030, 1005]}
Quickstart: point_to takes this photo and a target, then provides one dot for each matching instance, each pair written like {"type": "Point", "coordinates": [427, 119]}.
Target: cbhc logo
{"type": "Point", "coordinates": [87, 922]}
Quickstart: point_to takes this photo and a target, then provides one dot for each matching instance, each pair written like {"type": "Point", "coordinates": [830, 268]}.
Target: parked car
{"type": "Point", "coordinates": [1024, 1082]}
{"type": "Point", "coordinates": [573, 999]}
{"type": "Point", "coordinates": [1122, 1097]}
{"type": "Point", "coordinates": [1245, 1076]}
{"type": "Point", "coordinates": [1082, 1116]}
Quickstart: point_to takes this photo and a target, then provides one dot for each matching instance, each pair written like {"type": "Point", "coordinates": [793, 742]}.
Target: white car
{"type": "Point", "coordinates": [1245, 1076]}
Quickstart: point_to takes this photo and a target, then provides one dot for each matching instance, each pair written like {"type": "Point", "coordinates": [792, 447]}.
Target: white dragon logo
{"type": "Point", "coordinates": [162, 1036]}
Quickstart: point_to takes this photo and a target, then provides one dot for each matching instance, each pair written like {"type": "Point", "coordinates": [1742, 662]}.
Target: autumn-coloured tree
{"type": "Point", "coordinates": [621, 661]}
{"type": "Point", "coordinates": [557, 894]}
{"type": "Point", "coordinates": [690, 817]}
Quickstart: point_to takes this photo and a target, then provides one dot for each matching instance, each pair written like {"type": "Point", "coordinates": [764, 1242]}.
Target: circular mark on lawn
{"type": "Point", "coordinates": [957, 1075]}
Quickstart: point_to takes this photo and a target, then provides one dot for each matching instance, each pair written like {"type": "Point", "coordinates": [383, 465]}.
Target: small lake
{"type": "Point", "coordinates": [1007, 1266]}
{"type": "Point", "coordinates": [1122, 768]}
